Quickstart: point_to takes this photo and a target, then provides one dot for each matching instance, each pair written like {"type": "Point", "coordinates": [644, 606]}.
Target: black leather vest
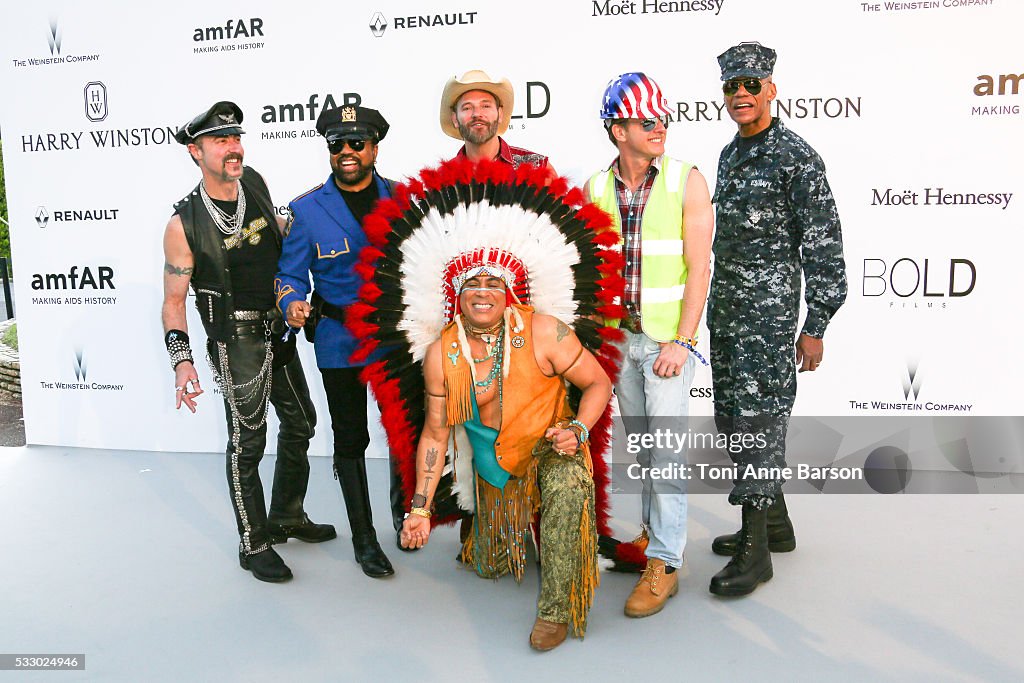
{"type": "Point", "coordinates": [211, 277]}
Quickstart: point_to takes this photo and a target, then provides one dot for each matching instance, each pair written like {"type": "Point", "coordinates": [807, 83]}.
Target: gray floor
{"type": "Point", "coordinates": [130, 559]}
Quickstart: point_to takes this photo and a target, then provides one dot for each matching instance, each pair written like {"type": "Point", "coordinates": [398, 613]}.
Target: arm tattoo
{"type": "Point", "coordinates": [419, 501]}
{"type": "Point", "coordinates": [431, 459]}
{"type": "Point", "coordinates": [561, 329]}
{"type": "Point", "coordinates": [426, 487]}
{"type": "Point", "coordinates": [177, 270]}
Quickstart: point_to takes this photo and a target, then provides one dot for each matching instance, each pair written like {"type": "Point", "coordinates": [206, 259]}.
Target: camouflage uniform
{"type": "Point", "coordinates": [775, 219]}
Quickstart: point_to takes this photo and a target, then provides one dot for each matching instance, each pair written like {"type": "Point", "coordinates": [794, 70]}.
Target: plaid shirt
{"type": "Point", "coordinates": [631, 212]}
{"type": "Point", "coordinates": [514, 156]}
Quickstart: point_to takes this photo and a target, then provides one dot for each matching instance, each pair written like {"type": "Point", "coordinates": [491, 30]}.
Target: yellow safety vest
{"type": "Point", "coordinates": [662, 269]}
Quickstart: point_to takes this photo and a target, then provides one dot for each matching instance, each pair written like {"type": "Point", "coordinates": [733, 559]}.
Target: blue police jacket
{"type": "Point", "coordinates": [325, 241]}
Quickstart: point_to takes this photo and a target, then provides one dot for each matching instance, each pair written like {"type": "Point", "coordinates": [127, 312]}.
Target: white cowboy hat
{"type": "Point", "coordinates": [475, 80]}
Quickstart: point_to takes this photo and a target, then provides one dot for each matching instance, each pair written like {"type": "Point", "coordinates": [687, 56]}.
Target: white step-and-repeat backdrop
{"type": "Point", "coordinates": [914, 106]}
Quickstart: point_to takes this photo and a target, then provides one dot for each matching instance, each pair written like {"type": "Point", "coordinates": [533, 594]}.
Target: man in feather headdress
{"type": "Point", "coordinates": [453, 259]}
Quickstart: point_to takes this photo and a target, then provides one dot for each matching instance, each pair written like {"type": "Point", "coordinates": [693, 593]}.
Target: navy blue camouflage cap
{"type": "Point", "coordinates": [222, 119]}
{"type": "Point", "coordinates": [747, 60]}
{"type": "Point", "coordinates": [351, 123]}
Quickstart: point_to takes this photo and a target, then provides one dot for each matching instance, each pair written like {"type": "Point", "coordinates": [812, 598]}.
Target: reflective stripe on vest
{"type": "Point", "coordinates": [662, 269]}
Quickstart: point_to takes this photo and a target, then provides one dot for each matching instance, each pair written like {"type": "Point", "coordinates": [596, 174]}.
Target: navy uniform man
{"type": "Point", "coordinates": [324, 240]}
{"type": "Point", "coordinates": [776, 221]}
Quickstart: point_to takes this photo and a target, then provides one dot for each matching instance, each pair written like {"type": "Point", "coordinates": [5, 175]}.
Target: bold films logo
{"type": "Point", "coordinates": [1002, 87]}
{"type": "Point", "coordinates": [918, 283]}
{"type": "Point", "coordinates": [96, 110]}
{"type": "Point", "coordinates": [234, 35]}
{"type": "Point", "coordinates": [939, 196]}
{"type": "Point", "coordinates": [80, 371]}
{"type": "Point", "coordinates": [379, 23]}
{"type": "Point", "coordinates": [921, 5]}
{"type": "Point", "coordinates": [911, 382]}
{"type": "Point", "coordinates": [55, 41]}
{"type": "Point", "coordinates": [79, 286]}
{"type": "Point", "coordinates": [621, 8]}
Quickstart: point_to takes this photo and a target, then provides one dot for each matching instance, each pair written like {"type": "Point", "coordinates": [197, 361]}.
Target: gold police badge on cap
{"type": "Point", "coordinates": [348, 114]}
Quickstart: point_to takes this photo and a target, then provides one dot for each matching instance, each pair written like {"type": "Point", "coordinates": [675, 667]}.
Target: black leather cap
{"type": "Point", "coordinates": [348, 123]}
{"type": "Point", "coordinates": [223, 118]}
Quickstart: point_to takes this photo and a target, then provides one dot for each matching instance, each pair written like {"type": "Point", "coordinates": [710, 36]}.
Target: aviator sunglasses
{"type": "Point", "coordinates": [650, 124]}
{"type": "Point", "coordinates": [337, 145]}
{"type": "Point", "coordinates": [751, 85]}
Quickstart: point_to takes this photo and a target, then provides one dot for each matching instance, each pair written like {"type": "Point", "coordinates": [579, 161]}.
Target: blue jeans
{"type": "Point", "coordinates": [648, 403]}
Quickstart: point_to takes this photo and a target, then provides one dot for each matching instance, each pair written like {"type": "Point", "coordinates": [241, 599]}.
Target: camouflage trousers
{"type": "Point", "coordinates": [568, 538]}
{"type": "Point", "coordinates": [754, 378]}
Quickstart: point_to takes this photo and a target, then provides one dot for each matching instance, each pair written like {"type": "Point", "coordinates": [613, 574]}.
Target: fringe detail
{"type": "Point", "coordinates": [459, 382]}
{"type": "Point", "coordinates": [586, 579]}
{"type": "Point", "coordinates": [506, 352]}
{"type": "Point", "coordinates": [501, 526]}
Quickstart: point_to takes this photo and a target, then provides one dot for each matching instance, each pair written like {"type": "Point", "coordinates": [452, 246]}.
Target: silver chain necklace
{"type": "Point", "coordinates": [226, 223]}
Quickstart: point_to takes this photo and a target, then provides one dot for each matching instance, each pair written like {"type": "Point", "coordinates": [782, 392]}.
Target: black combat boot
{"type": "Point", "coordinates": [781, 538]}
{"type": "Point", "coordinates": [352, 474]}
{"type": "Point", "coordinates": [266, 565]}
{"type": "Point", "coordinates": [307, 530]}
{"type": "Point", "coordinates": [752, 563]}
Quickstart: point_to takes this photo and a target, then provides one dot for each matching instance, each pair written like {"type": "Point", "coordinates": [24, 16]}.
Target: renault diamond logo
{"type": "Point", "coordinates": [42, 216]}
{"type": "Point", "coordinates": [95, 101]}
{"type": "Point", "coordinates": [54, 38]}
{"type": "Point", "coordinates": [378, 23]}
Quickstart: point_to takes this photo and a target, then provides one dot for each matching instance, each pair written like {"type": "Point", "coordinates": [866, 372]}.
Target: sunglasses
{"type": "Point", "coordinates": [650, 124]}
{"type": "Point", "coordinates": [751, 85]}
{"type": "Point", "coordinates": [337, 145]}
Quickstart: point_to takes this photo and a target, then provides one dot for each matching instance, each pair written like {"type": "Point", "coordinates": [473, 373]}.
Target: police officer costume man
{"type": "Point", "coordinates": [324, 239]}
{"type": "Point", "coordinates": [224, 240]}
{"type": "Point", "coordinates": [776, 220]}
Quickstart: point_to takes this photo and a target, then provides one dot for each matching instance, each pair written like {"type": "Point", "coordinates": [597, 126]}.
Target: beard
{"type": "Point", "coordinates": [225, 176]}
{"type": "Point", "coordinates": [472, 135]}
{"type": "Point", "coordinates": [353, 176]}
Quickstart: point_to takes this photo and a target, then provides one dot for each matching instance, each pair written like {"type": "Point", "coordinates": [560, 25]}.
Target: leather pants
{"type": "Point", "coordinates": [245, 357]}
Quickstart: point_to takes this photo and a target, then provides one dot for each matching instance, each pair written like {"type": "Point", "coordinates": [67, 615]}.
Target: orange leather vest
{"type": "Point", "coordinates": [531, 401]}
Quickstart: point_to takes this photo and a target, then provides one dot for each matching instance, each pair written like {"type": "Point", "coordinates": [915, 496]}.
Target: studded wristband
{"type": "Point", "coordinates": [178, 347]}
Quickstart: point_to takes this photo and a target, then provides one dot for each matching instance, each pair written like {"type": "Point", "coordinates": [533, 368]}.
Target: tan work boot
{"type": "Point", "coordinates": [547, 635]}
{"type": "Point", "coordinates": [653, 589]}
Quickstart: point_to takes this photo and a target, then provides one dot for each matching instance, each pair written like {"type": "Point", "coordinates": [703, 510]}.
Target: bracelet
{"type": "Point", "coordinates": [687, 345]}
{"type": "Point", "coordinates": [584, 435]}
{"type": "Point", "coordinates": [178, 347]}
{"type": "Point", "coordinates": [692, 341]}
{"type": "Point", "coordinates": [420, 512]}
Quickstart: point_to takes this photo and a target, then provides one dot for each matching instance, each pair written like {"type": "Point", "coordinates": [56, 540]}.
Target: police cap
{"type": "Point", "coordinates": [351, 123]}
{"type": "Point", "coordinates": [222, 119]}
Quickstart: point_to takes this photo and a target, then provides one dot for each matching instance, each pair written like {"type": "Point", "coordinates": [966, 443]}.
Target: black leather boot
{"type": "Point", "coordinates": [752, 563]}
{"type": "Point", "coordinates": [352, 474]}
{"type": "Point", "coordinates": [266, 566]}
{"type": "Point", "coordinates": [307, 531]}
{"type": "Point", "coordinates": [781, 538]}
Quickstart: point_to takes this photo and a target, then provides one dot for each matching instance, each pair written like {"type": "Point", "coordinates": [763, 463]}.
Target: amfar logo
{"type": "Point", "coordinates": [998, 85]}
{"type": "Point", "coordinates": [42, 216]}
{"type": "Point", "coordinates": [907, 278]}
{"type": "Point", "coordinates": [233, 29]}
{"type": "Point", "coordinates": [792, 108]}
{"type": "Point", "coordinates": [912, 382]}
{"type": "Point", "coordinates": [379, 23]}
{"type": "Point", "coordinates": [301, 112]}
{"type": "Point", "coordinates": [95, 101]}
{"type": "Point", "coordinates": [614, 8]}
{"type": "Point", "coordinates": [76, 278]}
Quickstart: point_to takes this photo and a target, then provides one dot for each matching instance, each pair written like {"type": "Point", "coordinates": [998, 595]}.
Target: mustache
{"type": "Point", "coordinates": [232, 157]}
